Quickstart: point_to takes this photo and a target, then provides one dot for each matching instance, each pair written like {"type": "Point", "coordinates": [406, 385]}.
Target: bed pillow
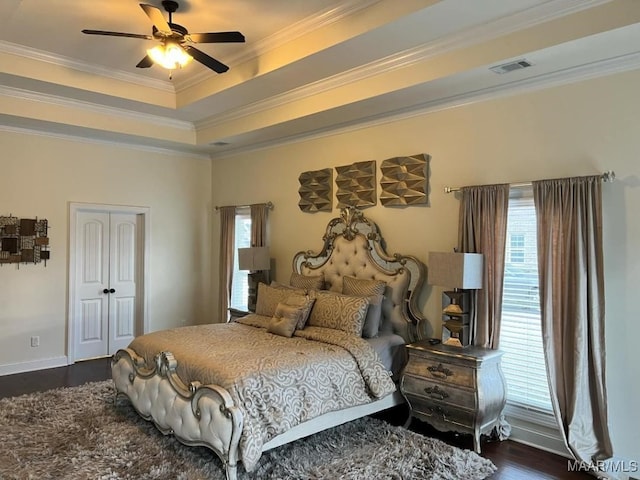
{"type": "Point", "coordinates": [374, 291]}
{"type": "Point", "coordinates": [284, 320]}
{"type": "Point", "coordinates": [342, 312]}
{"type": "Point", "coordinates": [269, 297]}
{"type": "Point", "coordinates": [308, 282]}
{"type": "Point", "coordinates": [275, 284]}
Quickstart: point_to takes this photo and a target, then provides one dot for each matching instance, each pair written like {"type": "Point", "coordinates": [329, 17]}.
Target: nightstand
{"type": "Point", "coordinates": [455, 389]}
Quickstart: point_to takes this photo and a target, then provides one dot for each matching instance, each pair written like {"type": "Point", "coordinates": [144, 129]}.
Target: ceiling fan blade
{"type": "Point", "coordinates": [216, 37]}
{"type": "Point", "coordinates": [206, 60]}
{"type": "Point", "coordinates": [156, 17]}
{"type": "Point", "coordinates": [146, 62]}
{"type": "Point", "coordinates": [117, 34]}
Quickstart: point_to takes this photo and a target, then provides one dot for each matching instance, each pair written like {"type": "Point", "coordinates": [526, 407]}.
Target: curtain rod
{"type": "Point", "coordinates": [608, 176]}
{"type": "Point", "coordinates": [268, 204]}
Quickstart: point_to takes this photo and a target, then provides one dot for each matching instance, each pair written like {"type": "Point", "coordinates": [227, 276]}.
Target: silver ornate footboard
{"type": "Point", "coordinates": [197, 414]}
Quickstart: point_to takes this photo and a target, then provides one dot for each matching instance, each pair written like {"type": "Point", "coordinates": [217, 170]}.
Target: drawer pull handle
{"type": "Point", "coordinates": [440, 371]}
{"type": "Point", "coordinates": [436, 392]}
{"type": "Point", "coordinates": [438, 411]}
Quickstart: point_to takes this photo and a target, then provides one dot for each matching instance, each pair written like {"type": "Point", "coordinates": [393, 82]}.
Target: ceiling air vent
{"type": "Point", "coordinates": [511, 66]}
{"type": "Point", "coordinates": [219, 144]}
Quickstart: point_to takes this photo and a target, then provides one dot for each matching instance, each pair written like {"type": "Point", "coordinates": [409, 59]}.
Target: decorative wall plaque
{"type": "Point", "coordinates": [405, 180]}
{"type": "Point", "coordinates": [316, 190]}
{"type": "Point", "coordinates": [357, 185]}
{"type": "Point", "coordinates": [23, 240]}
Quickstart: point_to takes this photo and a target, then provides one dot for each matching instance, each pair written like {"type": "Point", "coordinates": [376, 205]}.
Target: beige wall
{"type": "Point", "coordinates": [40, 176]}
{"type": "Point", "coordinates": [578, 129]}
{"type": "Point", "coordinates": [570, 130]}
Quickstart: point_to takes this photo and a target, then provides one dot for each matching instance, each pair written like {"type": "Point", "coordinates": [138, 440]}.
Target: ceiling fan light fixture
{"type": "Point", "coordinates": [176, 43]}
{"type": "Point", "coordinates": [170, 56]}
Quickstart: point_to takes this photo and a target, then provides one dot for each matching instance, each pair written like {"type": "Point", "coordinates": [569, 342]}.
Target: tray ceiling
{"type": "Point", "coordinates": [308, 67]}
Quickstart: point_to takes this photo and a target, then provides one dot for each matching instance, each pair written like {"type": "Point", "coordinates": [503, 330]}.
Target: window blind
{"type": "Point", "coordinates": [239, 283]}
{"type": "Point", "coordinates": [520, 332]}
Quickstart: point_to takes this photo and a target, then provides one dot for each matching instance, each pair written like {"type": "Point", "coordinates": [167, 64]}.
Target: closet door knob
{"type": "Point", "coordinates": [106, 290]}
{"type": "Point", "coordinates": [112, 290]}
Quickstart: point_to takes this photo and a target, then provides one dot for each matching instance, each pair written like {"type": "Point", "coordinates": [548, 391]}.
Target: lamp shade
{"type": "Point", "coordinates": [455, 270]}
{"type": "Point", "coordinates": [254, 258]}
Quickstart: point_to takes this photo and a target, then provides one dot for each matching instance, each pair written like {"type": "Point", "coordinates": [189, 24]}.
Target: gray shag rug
{"type": "Point", "coordinates": [78, 433]}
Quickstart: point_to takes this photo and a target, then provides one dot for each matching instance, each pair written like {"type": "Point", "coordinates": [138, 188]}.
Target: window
{"type": "Point", "coordinates": [521, 333]}
{"type": "Point", "coordinates": [240, 284]}
{"type": "Point", "coordinates": [516, 248]}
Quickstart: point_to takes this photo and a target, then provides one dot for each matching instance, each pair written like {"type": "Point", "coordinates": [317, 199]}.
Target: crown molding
{"type": "Point", "coordinates": [60, 60]}
{"type": "Point", "coordinates": [39, 97]}
{"type": "Point", "coordinates": [474, 35]}
{"type": "Point", "coordinates": [589, 71]}
{"type": "Point", "coordinates": [294, 31]}
{"type": "Point", "coordinates": [572, 75]}
{"type": "Point", "coordinates": [100, 141]}
{"type": "Point", "coordinates": [610, 66]}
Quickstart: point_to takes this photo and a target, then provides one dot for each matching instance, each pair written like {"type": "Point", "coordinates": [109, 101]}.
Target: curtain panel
{"type": "Point", "coordinates": [483, 229]}
{"type": "Point", "coordinates": [569, 224]}
{"type": "Point", "coordinates": [259, 213]}
{"type": "Point", "coordinates": [227, 253]}
{"type": "Point", "coordinates": [259, 217]}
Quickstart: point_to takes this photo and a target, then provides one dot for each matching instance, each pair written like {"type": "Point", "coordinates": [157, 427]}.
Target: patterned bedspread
{"type": "Point", "coordinates": [277, 382]}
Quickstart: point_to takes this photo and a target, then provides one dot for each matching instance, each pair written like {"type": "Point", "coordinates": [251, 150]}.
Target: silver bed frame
{"type": "Point", "coordinates": [205, 415]}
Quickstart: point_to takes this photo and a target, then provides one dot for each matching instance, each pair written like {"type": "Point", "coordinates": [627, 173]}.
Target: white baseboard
{"type": "Point", "coordinates": [30, 366]}
{"type": "Point", "coordinates": [541, 442]}
{"type": "Point", "coordinates": [537, 430]}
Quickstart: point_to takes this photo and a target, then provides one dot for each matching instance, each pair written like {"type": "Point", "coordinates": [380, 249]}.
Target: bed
{"type": "Point", "coordinates": [244, 387]}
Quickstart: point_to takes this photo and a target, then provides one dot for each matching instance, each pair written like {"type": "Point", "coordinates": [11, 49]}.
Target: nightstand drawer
{"type": "Point", "coordinates": [432, 390]}
{"type": "Point", "coordinates": [439, 414]}
{"type": "Point", "coordinates": [445, 372]}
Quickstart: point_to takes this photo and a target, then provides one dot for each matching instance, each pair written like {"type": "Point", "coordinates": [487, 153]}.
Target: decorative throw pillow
{"type": "Point", "coordinates": [269, 297]}
{"type": "Point", "coordinates": [308, 282]}
{"type": "Point", "coordinates": [284, 320]}
{"type": "Point", "coordinates": [304, 302]}
{"type": "Point", "coordinates": [374, 291]}
{"type": "Point", "coordinates": [342, 312]}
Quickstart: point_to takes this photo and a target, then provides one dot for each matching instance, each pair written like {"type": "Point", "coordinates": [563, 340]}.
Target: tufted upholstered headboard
{"type": "Point", "coordinates": [354, 247]}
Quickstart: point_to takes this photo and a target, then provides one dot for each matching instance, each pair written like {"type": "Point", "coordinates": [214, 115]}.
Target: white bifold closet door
{"type": "Point", "coordinates": [106, 272]}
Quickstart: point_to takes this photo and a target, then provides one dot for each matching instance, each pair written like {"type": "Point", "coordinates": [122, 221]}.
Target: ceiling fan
{"type": "Point", "coordinates": [175, 49]}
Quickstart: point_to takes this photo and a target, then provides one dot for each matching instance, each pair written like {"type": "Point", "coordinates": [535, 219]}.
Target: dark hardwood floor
{"type": "Point", "coordinates": [41, 380]}
{"type": "Point", "coordinates": [515, 461]}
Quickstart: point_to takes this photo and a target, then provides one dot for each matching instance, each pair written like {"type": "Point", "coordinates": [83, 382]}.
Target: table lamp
{"type": "Point", "coordinates": [462, 272]}
{"type": "Point", "coordinates": [257, 261]}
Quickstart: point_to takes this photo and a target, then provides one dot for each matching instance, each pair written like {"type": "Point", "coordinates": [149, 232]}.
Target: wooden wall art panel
{"type": "Point", "coordinates": [405, 180]}
{"type": "Point", "coordinates": [316, 190]}
{"type": "Point", "coordinates": [356, 185]}
{"type": "Point", "coordinates": [23, 240]}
